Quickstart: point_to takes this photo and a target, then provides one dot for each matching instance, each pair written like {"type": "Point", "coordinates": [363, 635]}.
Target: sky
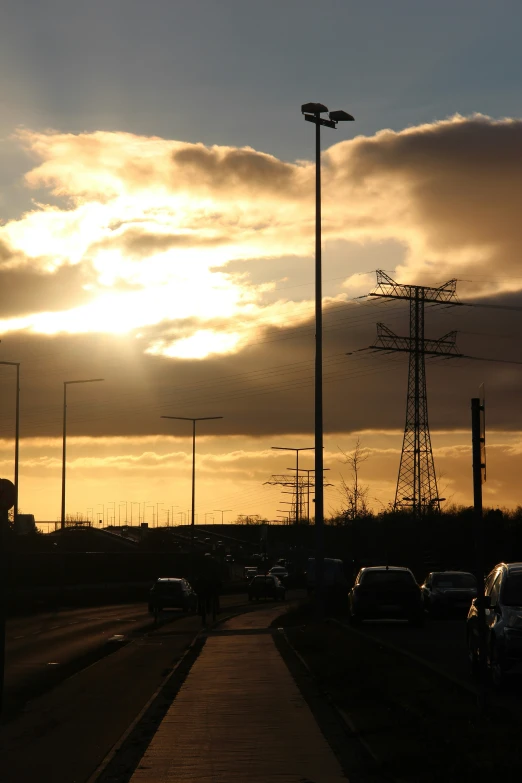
{"type": "Point", "coordinates": [157, 231]}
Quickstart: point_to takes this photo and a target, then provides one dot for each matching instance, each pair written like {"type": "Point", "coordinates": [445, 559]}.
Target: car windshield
{"type": "Point", "coordinates": [387, 578]}
{"type": "Point", "coordinates": [167, 587]}
{"type": "Point", "coordinates": [512, 593]}
{"type": "Point", "coordinates": [454, 580]}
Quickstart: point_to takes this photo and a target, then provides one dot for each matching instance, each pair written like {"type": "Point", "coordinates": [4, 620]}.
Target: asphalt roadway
{"type": "Point", "coordinates": [59, 731]}
{"type": "Point", "coordinates": [440, 642]}
{"type": "Point", "coordinates": [43, 649]}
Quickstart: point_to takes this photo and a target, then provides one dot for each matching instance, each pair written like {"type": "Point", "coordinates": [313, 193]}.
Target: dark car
{"type": "Point", "coordinates": [445, 592]}
{"type": "Point", "coordinates": [172, 593]}
{"type": "Point", "coordinates": [382, 592]}
{"type": "Point", "coordinates": [266, 587]}
{"type": "Point", "coordinates": [503, 602]}
{"type": "Point", "coordinates": [281, 572]}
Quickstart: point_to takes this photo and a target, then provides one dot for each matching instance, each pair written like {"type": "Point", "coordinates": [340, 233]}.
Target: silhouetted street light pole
{"type": "Point", "coordinates": [65, 385]}
{"type": "Point", "coordinates": [285, 448]}
{"type": "Point", "coordinates": [193, 420]}
{"type": "Point", "coordinates": [17, 435]}
{"type": "Point", "coordinates": [312, 113]}
{"type": "Point", "coordinates": [223, 511]}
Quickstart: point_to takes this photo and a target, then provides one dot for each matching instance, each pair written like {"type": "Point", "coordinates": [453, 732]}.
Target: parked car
{"type": "Point", "coordinates": [266, 587]}
{"type": "Point", "coordinates": [281, 572]}
{"type": "Point", "coordinates": [383, 592]}
{"type": "Point", "coordinates": [445, 592]}
{"type": "Point", "coordinates": [503, 608]}
{"type": "Point", "coordinates": [172, 593]}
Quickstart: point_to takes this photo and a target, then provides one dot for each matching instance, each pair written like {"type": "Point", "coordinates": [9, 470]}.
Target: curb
{"type": "Point", "coordinates": [197, 641]}
{"type": "Point", "coordinates": [100, 769]}
{"type": "Point", "coordinates": [343, 716]}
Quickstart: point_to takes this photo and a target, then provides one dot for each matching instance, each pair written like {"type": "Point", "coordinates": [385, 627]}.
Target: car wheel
{"type": "Point", "coordinates": [473, 656]}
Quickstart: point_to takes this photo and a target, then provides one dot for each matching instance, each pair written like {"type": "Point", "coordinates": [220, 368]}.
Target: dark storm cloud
{"type": "Point", "coordinates": [224, 167]}
{"type": "Point", "coordinates": [25, 290]}
{"type": "Point", "coordinates": [135, 243]}
{"type": "Point", "coordinates": [267, 388]}
{"type": "Point", "coordinates": [452, 189]}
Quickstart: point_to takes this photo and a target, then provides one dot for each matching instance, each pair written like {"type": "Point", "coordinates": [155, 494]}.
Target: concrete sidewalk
{"type": "Point", "coordinates": [239, 718]}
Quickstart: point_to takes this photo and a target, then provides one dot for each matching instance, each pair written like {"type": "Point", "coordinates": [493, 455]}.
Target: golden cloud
{"type": "Point", "coordinates": [156, 221]}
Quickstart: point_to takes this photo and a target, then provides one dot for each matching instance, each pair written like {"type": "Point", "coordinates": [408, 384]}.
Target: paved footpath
{"type": "Point", "coordinates": [239, 717]}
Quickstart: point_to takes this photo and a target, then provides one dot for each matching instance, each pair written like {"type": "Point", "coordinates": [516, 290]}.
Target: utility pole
{"type": "Point", "coordinates": [223, 511]}
{"type": "Point", "coordinates": [417, 482]}
{"type": "Point", "coordinates": [309, 484]}
{"type": "Point", "coordinates": [286, 448]}
{"type": "Point", "coordinates": [478, 439]}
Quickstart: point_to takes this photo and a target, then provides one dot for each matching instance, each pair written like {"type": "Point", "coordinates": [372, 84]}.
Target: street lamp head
{"type": "Point", "coordinates": [340, 116]}
{"type": "Point", "coordinates": [313, 108]}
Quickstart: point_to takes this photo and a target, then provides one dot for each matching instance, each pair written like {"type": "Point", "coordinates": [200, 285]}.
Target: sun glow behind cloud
{"type": "Point", "coordinates": [152, 237]}
{"type": "Point", "coordinates": [152, 224]}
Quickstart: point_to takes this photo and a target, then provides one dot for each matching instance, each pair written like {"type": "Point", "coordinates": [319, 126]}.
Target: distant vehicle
{"type": "Point", "coordinates": [250, 572]}
{"type": "Point", "coordinates": [334, 576]}
{"type": "Point", "coordinates": [266, 587]}
{"type": "Point", "coordinates": [229, 559]}
{"type": "Point", "coordinates": [386, 592]}
{"type": "Point", "coordinates": [24, 524]}
{"type": "Point", "coordinates": [172, 593]}
{"type": "Point", "coordinates": [280, 572]}
{"type": "Point", "coordinates": [445, 592]}
{"type": "Point", "coordinates": [503, 602]}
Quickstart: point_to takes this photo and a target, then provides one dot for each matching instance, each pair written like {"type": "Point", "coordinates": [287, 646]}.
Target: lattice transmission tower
{"type": "Point", "coordinates": [297, 487]}
{"type": "Point", "coordinates": [417, 482]}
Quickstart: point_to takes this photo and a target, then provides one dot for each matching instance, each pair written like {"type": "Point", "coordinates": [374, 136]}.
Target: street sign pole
{"type": "Point", "coordinates": [478, 439]}
{"type": "Point", "coordinates": [7, 501]}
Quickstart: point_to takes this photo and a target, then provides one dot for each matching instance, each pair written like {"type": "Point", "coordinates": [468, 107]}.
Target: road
{"type": "Point", "coordinates": [43, 649]}
{"type": "Point", "coordinates": [441, 642]}
{"type": "Point", "coordinates": [70, 728]}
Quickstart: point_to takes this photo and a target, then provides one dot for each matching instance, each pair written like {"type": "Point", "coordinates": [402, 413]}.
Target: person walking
{"type": "Point", "coordinates": [208, 587]}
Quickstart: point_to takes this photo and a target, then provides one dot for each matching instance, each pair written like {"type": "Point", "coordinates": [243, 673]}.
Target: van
{"type": "Point", "coordinates": [334, 576]}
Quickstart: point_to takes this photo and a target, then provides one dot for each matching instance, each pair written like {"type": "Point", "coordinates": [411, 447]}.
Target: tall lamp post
{"type": "Point", "coordinates": [65, 385]}
{"type": "Point", "coordinates": [312, 113]}
{"type": "Point", "coordinates": [193, 420]}
{"type": "Point", "coordinates": [17, 436]}
{"type": "Point", "coordinates": [287, 448]}
{"type": "Point", "coordinates": [135, 503]}
{"type": "Point", "coordinates": [223, 511]}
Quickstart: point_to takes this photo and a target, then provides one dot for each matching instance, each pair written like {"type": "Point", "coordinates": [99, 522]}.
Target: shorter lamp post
{"type": "Point", "coordinates": [17, 436]}
{"type": "Point", "coordinates": [65, 385]}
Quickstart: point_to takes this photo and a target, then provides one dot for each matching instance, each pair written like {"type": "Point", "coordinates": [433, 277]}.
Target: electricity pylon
{"type": "Point", "coordinates": [297, 489]}
{"type": "Point", "coordinates": [417, 482]}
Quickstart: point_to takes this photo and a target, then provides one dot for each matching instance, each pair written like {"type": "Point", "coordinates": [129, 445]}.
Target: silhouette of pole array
{"type": "Point", "coordinates": [417, 481]}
